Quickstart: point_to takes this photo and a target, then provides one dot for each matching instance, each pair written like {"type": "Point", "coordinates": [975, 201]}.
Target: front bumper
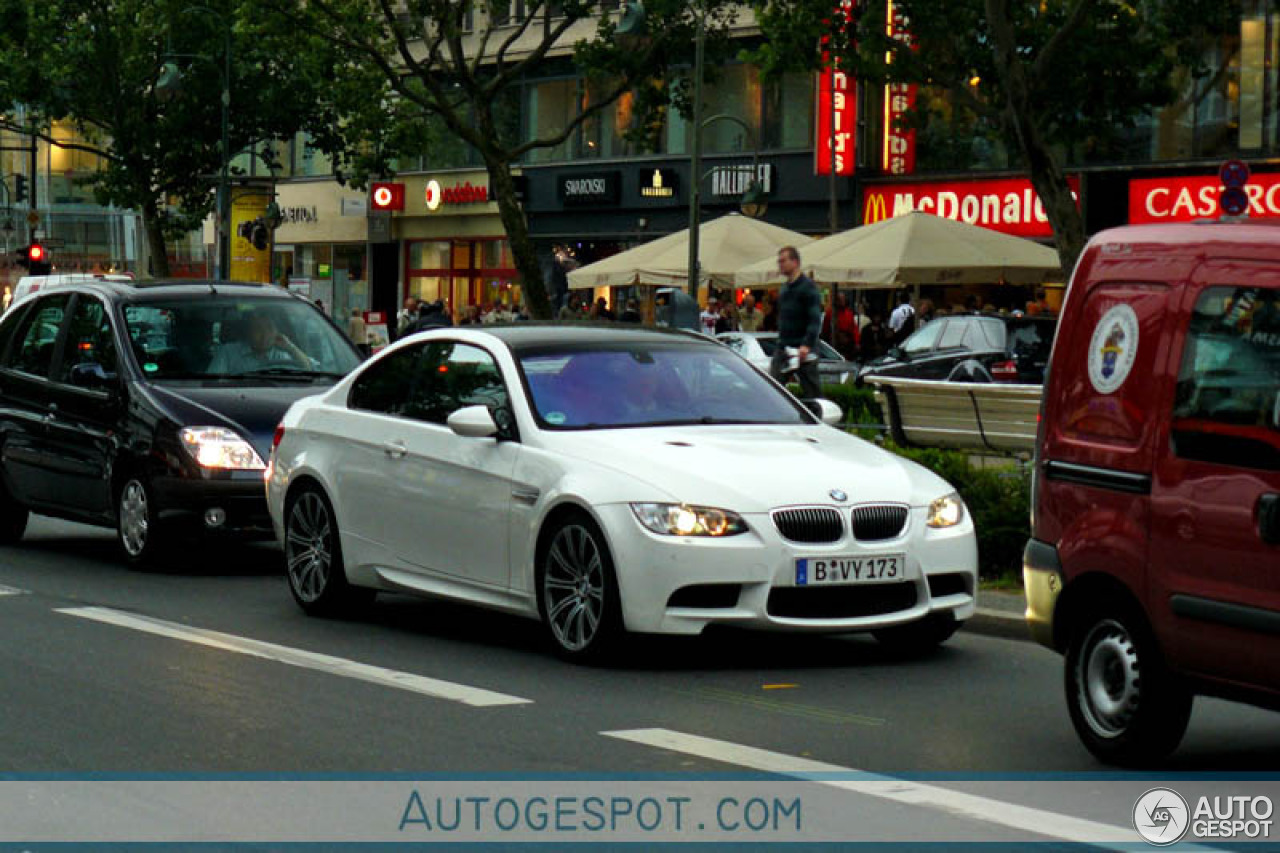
{"type": "Point", "coordinates": [680, 585]}
{"type": "Point", "coordinates": [241, 497]}
{"type": "Point", "coordinates": [1043, 581]}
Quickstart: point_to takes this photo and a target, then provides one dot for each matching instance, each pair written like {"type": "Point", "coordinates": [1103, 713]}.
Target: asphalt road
{"type": "Point", "coordinates": [209, 666]}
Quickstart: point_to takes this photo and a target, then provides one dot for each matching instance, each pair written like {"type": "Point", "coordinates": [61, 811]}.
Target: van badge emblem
{"type": "Point", "coordinates": [1113, 349]}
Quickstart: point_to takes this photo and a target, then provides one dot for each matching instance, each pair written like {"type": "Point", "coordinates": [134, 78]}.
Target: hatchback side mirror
{"type": "Point", "coordinates": [91, 375]}
{"type": "Point", "coordinates": [473, 422]}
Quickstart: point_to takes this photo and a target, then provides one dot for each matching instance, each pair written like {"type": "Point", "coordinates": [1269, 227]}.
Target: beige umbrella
{"type": "Point", "coordinates": [917, 248]}
{"type": "Point", "coordinates": [725, 245]}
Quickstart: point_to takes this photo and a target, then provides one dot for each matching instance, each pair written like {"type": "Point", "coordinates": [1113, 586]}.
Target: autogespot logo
{"type": "Point", "coordinates": [1161, 816]}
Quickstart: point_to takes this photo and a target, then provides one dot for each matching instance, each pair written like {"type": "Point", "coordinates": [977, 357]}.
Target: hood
{"type": "Point", "coordinates": [252, 412]}
{"type": "Point", "coordinates": [754, 468]}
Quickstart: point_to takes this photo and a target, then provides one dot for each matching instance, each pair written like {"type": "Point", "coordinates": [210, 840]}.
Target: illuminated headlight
{"type": "Point", "coordinates": [685, 520]}
{"type": "Point", "coordinates": [224, 449]}
{"type": "Point", "coordinates": [946, 512]}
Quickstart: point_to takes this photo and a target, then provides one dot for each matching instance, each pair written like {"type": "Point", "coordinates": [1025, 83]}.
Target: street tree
{"type": "Point", "coordinates": [1041, 77]}
{"type": "Point", "coordinates": [422, 75]}
{"type": "Point", "coordinates": [94, 65]}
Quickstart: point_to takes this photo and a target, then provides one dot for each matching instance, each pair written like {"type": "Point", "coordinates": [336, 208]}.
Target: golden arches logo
{"type": "Point", "coordinates": [876, 208]}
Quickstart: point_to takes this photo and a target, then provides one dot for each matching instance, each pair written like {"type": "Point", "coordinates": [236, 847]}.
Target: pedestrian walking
{"type": "Point", "coordinates": [799, 322]}
{"type": "Point", "coordinates": [902, 322]}
{"type": "Point", "coordinates": [358, 331]}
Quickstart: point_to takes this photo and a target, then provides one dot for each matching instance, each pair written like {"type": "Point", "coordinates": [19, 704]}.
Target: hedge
{"type": "Point", "coordinates": [998, 498]}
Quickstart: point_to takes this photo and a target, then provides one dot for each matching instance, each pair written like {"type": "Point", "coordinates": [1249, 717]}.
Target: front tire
{"type": "Point", "coordinates": [13, 518]}
{"type": "Point", "coordinates": [313, 557]}
{"type": "Point", "coordinates": [1125, 704]}
{"type": "Point", "coordinates": [578, 594]}
{"type": "Point", "coordinates": [143, 537]}
{"type": "Point", "coordinates": [920, 637]}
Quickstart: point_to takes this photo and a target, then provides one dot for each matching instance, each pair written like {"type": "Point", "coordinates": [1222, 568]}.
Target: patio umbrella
{"type": "Point", "coordinates": [725, 245]}
{"type": "Point", "coordinates": [917, 248]}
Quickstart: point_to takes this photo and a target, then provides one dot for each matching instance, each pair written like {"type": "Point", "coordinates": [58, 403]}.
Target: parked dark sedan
{"type": "Point", "coordinates": [972, 348]}
{"type": "Point", "coordinates": [151, 407]}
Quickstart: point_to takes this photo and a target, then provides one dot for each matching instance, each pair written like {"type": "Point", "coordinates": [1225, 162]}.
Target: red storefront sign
{"type": "Point", "coordinates": [1008, 205]}
{"type": "Point", "coordinates": [899, 99]}
{"type": "Point", "coordinates": [386, 196]}
{"type": "Point", "coordinates": [1184, 199]}
{"type": "Point", "coordinates": [837, 113]}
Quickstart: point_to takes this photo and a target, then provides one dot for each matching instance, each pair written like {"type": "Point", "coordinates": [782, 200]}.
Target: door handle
{"type": "Point", "coordinates": [395, 449]}
{"type": "Point", "coordinates": [1269, 518]}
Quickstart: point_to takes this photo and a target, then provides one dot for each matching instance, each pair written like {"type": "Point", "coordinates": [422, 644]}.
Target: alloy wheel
{"type": "Point", "coordinates": [134, 518]}
{"type": "Point", "coordinates": [573, 590]}
{"type": "Point", "coordinates": [1107, 679]}
{"type": "Point", "coordinates": [309, 546]}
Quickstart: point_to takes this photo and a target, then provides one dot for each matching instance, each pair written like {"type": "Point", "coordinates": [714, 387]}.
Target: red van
{"type": "Point", "coordinates": [1154, 562]}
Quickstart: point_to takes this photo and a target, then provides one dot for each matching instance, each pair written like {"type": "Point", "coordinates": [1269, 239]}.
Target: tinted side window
{"type": "Point", "coordinates": [1227, 404]}
{"type": "Point", "coordinates": [952, 334]}
{"type": "Point", "coordinates": [386, 385]}
{"type": "Point", "coordinates": [453, 376]}
{"type": "Point", "coordinates": [38, 335]}
{"type": "Point", "coordinates": [924, 339]}
{"type": "Point", "coordinates": [89, 339]}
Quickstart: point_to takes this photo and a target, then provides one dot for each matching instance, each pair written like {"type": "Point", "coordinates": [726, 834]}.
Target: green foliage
{"type": "Point", "coordinates": [95, 63]}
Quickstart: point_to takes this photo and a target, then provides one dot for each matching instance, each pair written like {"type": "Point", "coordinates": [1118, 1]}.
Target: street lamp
{"type": "Point", "coordinates": [168, 85]}
{"type": "Point", "coordinates": [754, 202]}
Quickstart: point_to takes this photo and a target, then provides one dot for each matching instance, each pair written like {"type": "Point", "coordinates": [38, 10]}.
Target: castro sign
{"type": "Point", "coordinates": [1008, 205]}
{"type": "Point", "coordinates": [1185, 199]}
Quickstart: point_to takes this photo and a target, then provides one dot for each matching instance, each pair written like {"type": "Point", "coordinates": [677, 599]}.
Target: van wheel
{"type": "Point", "coordinates": [142, 536]}
{"type": "Point", "coordinates": [1125, 704]}
{"type": "Point", "coordinates": [13, 518]}
{"type": "Point", "coordinates": [919, 637]}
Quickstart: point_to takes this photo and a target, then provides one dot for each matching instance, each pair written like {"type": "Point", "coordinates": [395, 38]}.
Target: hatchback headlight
{"type": "Point", "coordinates": [220, 448]}
{"type": "Point", "coordinates": [946, 511]}
{"type": "Point", "coordinates": [685, 520]}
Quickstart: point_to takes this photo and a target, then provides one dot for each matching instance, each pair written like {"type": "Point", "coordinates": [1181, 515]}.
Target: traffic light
{"type": "Point", "coordinates": [19, 188]}
{"type": "Point", "coordinates": [35, 259]}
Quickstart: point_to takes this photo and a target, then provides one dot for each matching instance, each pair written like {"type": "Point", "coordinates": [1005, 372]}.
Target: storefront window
{"type": "Point", "coordinates": [788, 107]}
{"type": "Point", "coordinates": [429, 255]}
{"type": "Point", "coordinates": [310, 161]}
{"type": "Point", "coordinates": [462, 273]}
{"type": "Point", "coordinates": [552, 104]}
{"type": "Point", "coordinates": [734, 90]}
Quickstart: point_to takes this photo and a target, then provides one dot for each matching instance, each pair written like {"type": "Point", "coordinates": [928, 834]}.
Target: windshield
{"type": "Point", "coordinates": [662, 385]}
{"type": "Point", "coordinates": [231, 337]}
{"type": "Point", "coordinates": [825, 350]}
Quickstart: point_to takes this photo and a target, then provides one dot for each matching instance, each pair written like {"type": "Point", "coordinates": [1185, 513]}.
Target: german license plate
{"type": "Point", "coordinates": [880, 568]}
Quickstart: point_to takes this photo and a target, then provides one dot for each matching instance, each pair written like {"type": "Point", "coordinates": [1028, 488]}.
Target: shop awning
{"type": "Point", "coordinates": [916, 248]}
{"type": "Point", "coordinates": [725, 246]}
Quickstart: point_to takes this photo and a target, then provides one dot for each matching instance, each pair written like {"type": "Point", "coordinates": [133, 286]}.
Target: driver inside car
{"type": "Point", "coordinates": [263, 346]}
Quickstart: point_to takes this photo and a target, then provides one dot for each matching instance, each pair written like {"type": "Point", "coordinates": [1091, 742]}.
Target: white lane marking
{"type": "Point", "coordinates": [957, 803]}
{"type": "Point", "coordinates": [11, 590]}
{"type": "Point", "coordinates": [433, 687]}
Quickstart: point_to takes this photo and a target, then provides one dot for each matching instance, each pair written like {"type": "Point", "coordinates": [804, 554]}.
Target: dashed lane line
{"type": "Point", "coordinates": [433, 687]}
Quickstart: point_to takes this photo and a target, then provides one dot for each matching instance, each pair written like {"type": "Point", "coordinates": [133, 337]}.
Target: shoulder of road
{"type": "Point", "coordinates": [999, 614]}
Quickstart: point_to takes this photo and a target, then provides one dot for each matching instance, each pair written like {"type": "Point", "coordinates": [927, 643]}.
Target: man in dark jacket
{"type": "Point", "coordinates": [799, 323]}
{"type": "Point", "coordinates": [431, 316]}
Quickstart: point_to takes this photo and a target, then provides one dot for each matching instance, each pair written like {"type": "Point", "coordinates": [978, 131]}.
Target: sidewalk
{"type": "Point", "coordinates": [999, 615]}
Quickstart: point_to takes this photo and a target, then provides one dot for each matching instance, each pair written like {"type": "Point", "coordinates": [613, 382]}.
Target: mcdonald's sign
{"type": "Point", "coordinates": [1007, 205]}
{"type": "Point", "coordinates": [837, 110]}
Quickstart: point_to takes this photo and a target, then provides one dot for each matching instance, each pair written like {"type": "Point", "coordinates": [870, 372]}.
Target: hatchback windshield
{"type": "Point", "coordinates": [223, 337]}
{"type": "Point", "coordinates": [651, 385]}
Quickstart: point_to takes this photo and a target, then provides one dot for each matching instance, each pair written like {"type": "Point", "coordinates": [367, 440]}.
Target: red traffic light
{"type": "Point", "coordinates": [35, 253]}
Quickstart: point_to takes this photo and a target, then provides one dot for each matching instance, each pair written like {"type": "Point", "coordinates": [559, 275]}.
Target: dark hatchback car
{"type": "Point", "coordinates": [151, 407]}
{"type": "Point", "coordinates": [972, 348]}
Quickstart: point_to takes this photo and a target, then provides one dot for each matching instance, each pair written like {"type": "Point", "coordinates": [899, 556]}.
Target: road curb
{"type": "Point", "coordinates": [998, 623]}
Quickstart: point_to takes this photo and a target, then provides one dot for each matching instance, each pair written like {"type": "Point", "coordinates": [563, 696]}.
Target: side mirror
{"type": "Point", "coordinates": [91, 375]}
{"type": "Point", "coordinates": [899, 354]}
{"type": "Point", "coordinates": [826, 411]}
{"type": "Point", "coordinates": [473, 422]}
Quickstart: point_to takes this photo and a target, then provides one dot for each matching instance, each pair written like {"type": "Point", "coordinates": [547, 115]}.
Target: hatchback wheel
{"type": "Point", "coordinates": [578, 593]}
{"type": "Point", "coordinates": [13, 518]}
{"type": "Point", "coordinates": [1124, 703]}
{"type": "Point", "coordinates": [141, 534]}
{"type": "Point", "coordinates": [313, 557]}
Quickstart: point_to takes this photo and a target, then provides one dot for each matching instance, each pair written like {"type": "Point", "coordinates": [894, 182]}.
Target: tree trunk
{"type": "Point", "coordinates": [1047, 177]}
{"type": "Point", "coordinates": [157, 249]}
{"type": "Point", "coordinates": [502, 187]}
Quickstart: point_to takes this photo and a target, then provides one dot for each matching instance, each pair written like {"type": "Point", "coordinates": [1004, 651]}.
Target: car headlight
{"type": "Point", "coordinates": [685, 520]}
{"type": "Point", "coordinates": [947, 511]}
{"type": "Point", "coordinates": [217, 447]}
